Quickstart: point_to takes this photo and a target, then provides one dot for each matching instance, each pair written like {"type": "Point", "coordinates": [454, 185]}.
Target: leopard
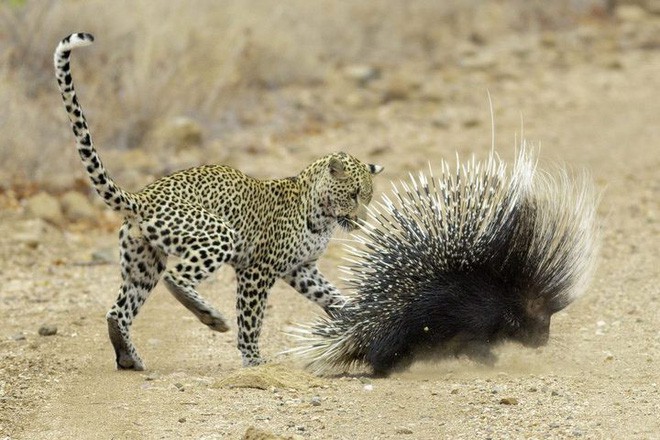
{"type": "Point", "coordinates": [214, 215]}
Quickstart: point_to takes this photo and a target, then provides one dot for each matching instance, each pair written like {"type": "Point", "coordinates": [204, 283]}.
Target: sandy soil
{"type": "Point", "coordinates": [596, 106]}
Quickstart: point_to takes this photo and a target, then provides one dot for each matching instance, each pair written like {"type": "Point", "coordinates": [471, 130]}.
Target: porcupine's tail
{"type": "Point", "coordinates": [115, 197]}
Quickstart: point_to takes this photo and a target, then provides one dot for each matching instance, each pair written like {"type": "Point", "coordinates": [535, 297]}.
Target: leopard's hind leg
{"type": "Point", "coordinates": [203, 243]}
{"type": "Point", "coordinates": [141, 267]}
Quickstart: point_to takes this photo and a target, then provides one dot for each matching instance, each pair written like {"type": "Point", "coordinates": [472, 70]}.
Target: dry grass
{"type": "Point", "coordinates": [209, 60]}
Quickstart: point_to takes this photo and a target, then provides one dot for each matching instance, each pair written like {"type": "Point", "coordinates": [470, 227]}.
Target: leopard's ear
{"type": "Point", "coordinates": [336, 167]}
{"type": "Point", "coordinates": [375, 169]}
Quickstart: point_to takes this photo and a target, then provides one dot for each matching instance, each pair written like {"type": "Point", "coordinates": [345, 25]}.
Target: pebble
{"type": "Point", "coordinates": [471, 122]}
{"type": "Point", "coordinates": [30, 240]}
{"type": "Point", "coordinates": [441, 121]}
{"type": "Point", "coordinates": [47, 330]}
{"type": "Point", "coordinates": [397, 89]}
{"type": "Point", "coordinates": [362, 74]}
{"type": "Point", "coordinates": [481, 61]}
{"type": "Point", "coordinates": [106, 255]}
{"type": "Point", "coordinates": [18, 337]}
{"type": "Point", "coordinates": [315, 401]}
{"type": "Point", "coordinates": [404, 431]}
{"type": "Point", "coordinates": [509, 401]}
{"type": "Point", "coordinates": [497, 389]}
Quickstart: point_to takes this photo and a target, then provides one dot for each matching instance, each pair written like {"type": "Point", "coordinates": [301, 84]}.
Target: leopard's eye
{"type": "Point", "coordinates": [356, 194]}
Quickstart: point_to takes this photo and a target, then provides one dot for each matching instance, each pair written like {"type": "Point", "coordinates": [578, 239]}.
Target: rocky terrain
{"type": "Point", "coordinates": [588, 95]}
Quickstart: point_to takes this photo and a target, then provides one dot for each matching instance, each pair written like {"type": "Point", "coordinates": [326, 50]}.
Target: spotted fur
{"type": "Point", "coordinates": [213, 215]}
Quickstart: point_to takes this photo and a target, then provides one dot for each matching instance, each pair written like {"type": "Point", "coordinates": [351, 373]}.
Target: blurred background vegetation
{"type": "Point", "coordinates": [172, 84]}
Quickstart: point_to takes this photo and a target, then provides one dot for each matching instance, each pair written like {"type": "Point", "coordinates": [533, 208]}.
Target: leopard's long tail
{"type": "Point", "coordinates": [115, 197]}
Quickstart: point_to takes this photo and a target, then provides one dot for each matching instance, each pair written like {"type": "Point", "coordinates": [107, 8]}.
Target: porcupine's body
{"type": "Point", "coordinates": [458, 263]}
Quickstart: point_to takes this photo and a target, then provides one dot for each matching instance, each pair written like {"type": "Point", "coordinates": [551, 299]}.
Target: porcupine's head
{"type": "Point", "coordinates": [551, 255]}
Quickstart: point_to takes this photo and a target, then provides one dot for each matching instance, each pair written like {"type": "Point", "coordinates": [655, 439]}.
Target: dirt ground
{"type": "Point", "coordinates": [589, 97]}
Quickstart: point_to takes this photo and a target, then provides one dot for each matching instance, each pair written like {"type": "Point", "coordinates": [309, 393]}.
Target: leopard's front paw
{"type": "Point", "coordinates": [254, 361]}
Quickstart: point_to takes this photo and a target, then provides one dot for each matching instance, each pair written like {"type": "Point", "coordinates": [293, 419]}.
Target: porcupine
{"type": "Point", "coordinates": [453, 265]}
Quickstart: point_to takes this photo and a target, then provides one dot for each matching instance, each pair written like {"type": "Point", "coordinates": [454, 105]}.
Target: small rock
{"type": "Point", "coordinates": [471, 122]}
{"type": "Point", "coordinates": [47, 330]}
{"type": "Point", "coordinates": [77, 207]}
{"type": "Point", "coordinates": [480, 61]}
{"type": "Point", "coordinates": [613, 63]}
{"type": "Point", "coordinates": [508, 401]}
{"type": "Point", "coordinates": [30, 240]}
{"type": "Point", "coordinates": [397, 89]}
{"type": "Point", "coordinates": [441, 121]}
{"type": "Point", "coordinates": [105, 256]}
{"type": "Point", "coordinates": [404, 431]}
{"type": "Point", "coordinates": [182, 420]}
{"type": "Point", "coordinates": [179, 386]}
{"type": "Point", "coordinates": [362, 74]}
{"type": "Point", "coordinates": [253, 433]}
{"type": "Point", "coordinates": [315, 401]}
{"type": "Point", "coordinates": [497, 389]}
{"type": "Point", "coordinates": [45, 207]}
{"type": "Point", "coordinates": [368, 387]}
{"type": "Point", "coordinates": [17, 337]}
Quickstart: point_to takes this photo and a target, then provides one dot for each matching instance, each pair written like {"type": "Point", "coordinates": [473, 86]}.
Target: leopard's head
{"type": "Point", "coordinates": [349, 189]}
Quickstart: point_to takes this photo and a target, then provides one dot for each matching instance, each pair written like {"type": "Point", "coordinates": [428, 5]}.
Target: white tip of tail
{"type": "Point", "coordinates": [75, 40]}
